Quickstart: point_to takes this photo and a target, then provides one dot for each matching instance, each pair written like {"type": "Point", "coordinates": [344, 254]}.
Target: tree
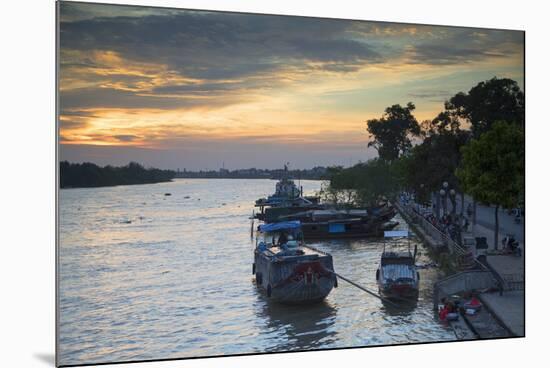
{"type": "Point", "coordinates": [73, 175]}
{"type": "Point", "coordinates": [391, 133]}
{"type": "Point", "coordinates": [362, 184]}
{"type": "Point", "coordinates": [443, 123]}
{"type": "Point", "coordinates": [436, 159]}
{"type": "Point", "coordinates": [493, 168]}
{"type": "Point", "coordinates": [489, 101]}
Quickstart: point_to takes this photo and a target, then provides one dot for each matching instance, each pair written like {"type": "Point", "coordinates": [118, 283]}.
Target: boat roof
{"type": "Point", "coordinates": [279, 226]}
{"type": "Point", "coordinates": [398, 271]}
{"type": "Point", "coordinates": [396, 234]}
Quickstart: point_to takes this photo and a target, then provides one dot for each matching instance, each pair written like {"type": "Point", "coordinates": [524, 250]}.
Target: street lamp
{"type": "Point", "coordinates": [445, 192]}
{"type": "Point", "coordinates": [452, 192]}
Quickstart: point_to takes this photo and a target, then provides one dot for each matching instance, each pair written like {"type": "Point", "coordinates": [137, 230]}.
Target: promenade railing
{"type": "Point", "coordinates": [438, 235]}
{"type": "Point", "coordinates": [450, 244]}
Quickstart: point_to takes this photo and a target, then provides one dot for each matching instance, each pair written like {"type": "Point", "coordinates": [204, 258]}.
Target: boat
{"type": "Point", "coordinates": [287, 199]}
{"type": "Point", "coordinates": [397, 275]}
{"type": "Point", "coordinates": [351, 223]}
{"type": "Point", "coordinates": [288, 270]}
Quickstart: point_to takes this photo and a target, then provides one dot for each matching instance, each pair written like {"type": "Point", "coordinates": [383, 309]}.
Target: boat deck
{"type": "Point", "coordinates": [308, 252]}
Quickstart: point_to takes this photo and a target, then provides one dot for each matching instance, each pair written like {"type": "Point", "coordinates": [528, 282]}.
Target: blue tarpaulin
{"type": "Point", "coordinates": [396, 234]}
{"type": "Point", "coordinates": [336, 228]}
{"type": "Point", "coordinates": [279, 226]}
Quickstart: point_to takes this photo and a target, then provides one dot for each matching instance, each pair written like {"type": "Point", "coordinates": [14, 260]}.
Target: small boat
{"type": "Point", "coordinates": [289, 271]}
{"type": "Point", "coordinates": [397, 275]}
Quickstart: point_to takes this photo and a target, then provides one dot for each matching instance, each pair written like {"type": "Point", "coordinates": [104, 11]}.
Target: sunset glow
{"type": "Point", "coordinates": [194, 89]}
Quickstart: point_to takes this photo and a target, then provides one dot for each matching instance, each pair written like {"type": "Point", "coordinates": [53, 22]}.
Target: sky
{"type": "Point", "coordinates": [199, 90]}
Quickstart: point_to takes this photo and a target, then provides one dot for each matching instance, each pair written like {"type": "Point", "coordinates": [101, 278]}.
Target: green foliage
{"type": "Point", "coordinates": [90, 175]}
{"type": "Point", "coordinates": [391, 133]}
{"type": "Point", "coordinates": [362, 184]}
{"type": "Point", "coordinates": [488, 102]}
{"type": "Point", "coordinates": [433, 161]}
{"type": "Point", "coordinates": [493, 166]}
{"type": "Point", "coordinates": [443, 123]}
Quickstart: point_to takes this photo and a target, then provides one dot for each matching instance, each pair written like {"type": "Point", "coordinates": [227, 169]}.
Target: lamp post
{"type": "Point", "coordinates": [446, 192]}
{"type": "Point", "coordinates": [452, 192]}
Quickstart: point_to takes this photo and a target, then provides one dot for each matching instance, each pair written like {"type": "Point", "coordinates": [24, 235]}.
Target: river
{"type": "Point", "coordinates": [147, 276]}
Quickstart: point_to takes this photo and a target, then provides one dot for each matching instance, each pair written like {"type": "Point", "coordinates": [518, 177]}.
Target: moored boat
{"type": "Point", "coordinates": [288, 270]}
{"type": "Point", "coordinates": [286, 200]}
{"type": "Point", "coordinates": [354, 223]}
{"type": "Point", "coordinates": [397, 275]}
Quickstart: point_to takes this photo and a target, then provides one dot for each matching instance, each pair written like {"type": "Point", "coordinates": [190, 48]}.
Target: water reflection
{"type": "Point", "coordinates": [399, 307]}
{"type": "Point", "coordinates": [303, 328]}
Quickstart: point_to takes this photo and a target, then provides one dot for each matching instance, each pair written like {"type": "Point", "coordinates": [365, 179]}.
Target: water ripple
{"type": "Point", "coordinates": [144, 276]}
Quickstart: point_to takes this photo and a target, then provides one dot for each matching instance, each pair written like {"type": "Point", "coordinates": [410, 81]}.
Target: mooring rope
{"type": "Point", "coordinates": [366, 290]}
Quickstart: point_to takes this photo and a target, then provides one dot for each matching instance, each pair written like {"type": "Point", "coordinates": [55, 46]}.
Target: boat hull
{"type": "Point", "coordinates": [336, 230]}
{"type": "Point", "coordinates": [295, 281]}
{"type": "Point", "coordinates": [398, 280]}
{"type": "Point", "coordinates": [408, 291]}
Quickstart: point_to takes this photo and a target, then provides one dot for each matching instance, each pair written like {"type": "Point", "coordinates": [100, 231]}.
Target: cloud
{"type": "Point", "coordinates": [126, 137]}
{"type": "Point", "coordinates": [430, 94]}
{"type": "Point", "coordinates": [167, 78]}
{"type": "Point", "coordinates": [203, 45]}
{"type": "Point", "coordinates": [147, 57]}
{"type": "Point", "coordinates": [116, 98]}
{"type": "Point", "coordinates": [459, 46]}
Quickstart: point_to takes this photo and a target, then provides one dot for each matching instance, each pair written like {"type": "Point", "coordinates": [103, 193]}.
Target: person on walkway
{"type": "Point", "coordinates": [466, 223]}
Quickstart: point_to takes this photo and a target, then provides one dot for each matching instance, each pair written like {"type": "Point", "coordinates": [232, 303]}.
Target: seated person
{"type": "Point", "coordinates": [283, 238]}
{"type": "Point", "coordinates": [473, 303]}
{"type": "Point", "coordinates": [448, 313]}
{"type": "Point", "coordinates": [444, 311]}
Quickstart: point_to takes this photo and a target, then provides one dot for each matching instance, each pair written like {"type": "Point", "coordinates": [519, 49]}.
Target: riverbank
{"type": "Point", "coordinates": [504, 312]}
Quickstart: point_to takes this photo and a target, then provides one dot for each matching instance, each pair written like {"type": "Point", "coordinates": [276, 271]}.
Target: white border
{"type": "Point", "coordinates": [27, 185]}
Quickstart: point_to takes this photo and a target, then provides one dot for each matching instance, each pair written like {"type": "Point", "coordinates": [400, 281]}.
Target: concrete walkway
{"type": "Point", "coordinates": [508, 308]}
{"type": "Point", "coordinates": [503, 264]}
{"type": "Point", "coordinates": [485, 223]}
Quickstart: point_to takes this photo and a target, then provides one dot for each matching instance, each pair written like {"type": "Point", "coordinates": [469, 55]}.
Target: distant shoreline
{"type": "Point", "coordinates": [88, 175]}
{"type": "Point", "coordinates": [316, 173]}
{"type": "Point", "coordinates": [248, 177]}
{"type": "Point", "coordinates": [172, 180]}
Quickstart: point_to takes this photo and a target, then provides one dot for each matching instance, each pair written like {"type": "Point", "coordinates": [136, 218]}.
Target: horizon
{"type": "Point", "coordinates": [172, 88]}
{"type": "Point", "coordinates": [182, 169]}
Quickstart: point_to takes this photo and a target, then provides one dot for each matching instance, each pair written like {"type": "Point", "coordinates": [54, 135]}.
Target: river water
{"type": "Point", "coordinates": [148, 276]}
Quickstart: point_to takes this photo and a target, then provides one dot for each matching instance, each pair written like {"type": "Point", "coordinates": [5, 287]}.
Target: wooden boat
{"type": "Point", "coordinates": [397, 275]}
{"type": "Point", "coordinates": [272, 211]}
{"type": "Point", "coordinates": [289, 271]}
{"type": "Point", "coordinates": [354, 223]}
